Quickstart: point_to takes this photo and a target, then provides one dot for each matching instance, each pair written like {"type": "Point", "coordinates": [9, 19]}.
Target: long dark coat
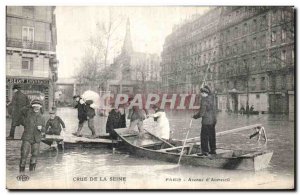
{"type": "Point", "coordinates": [30, 121]}
{"type": "Point", "coordinates": [115, 120]}
{"type": "Point", "coordinates": [82, 114]}
{"type": "Point", "coordinates": [207, 111]}
{"type": "Point", "coordinates": [19, 101]}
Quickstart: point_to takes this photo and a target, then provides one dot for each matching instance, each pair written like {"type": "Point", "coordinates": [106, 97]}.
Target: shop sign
{"type": "Point", "coordinates": [26, 81]}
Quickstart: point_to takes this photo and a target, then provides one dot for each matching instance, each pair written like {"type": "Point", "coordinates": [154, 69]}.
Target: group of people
{"type": "Point", "coordinates": [30, 115]}
{"type": "Point", "coordinates": [248, 110]}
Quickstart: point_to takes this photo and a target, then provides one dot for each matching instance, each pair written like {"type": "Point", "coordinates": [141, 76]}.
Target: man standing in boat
{"type": "Point", "coordinates": [162, 129]}
{"type": "Point", "coordinates": [136, 117]}
{"type": "Point", "coordinates": [208, 113]}
{"type": "Point", "coordinates": [116, 119]}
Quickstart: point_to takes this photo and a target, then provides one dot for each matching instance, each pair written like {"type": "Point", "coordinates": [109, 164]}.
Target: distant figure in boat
{"type": "Point", "coordinates": [136, 117]}
{"type": "Point", "coordinates": [55, 124]}
{"type": "Point", "coordinates": [208, 113]}
{"type": "Point", "coordinates": [242, 110]}
{"type": "Point", "coordinates": [162, 128]}
{"type": "Point", "coordinates": [116, 119]}
{"type": "Point", "coordinates": [251, 108]}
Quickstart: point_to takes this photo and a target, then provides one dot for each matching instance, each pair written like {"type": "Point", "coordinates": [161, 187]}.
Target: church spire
{"type": "Point", "coordinates": [127, 45]}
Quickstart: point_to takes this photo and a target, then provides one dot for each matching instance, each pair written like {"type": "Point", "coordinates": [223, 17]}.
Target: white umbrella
{"type": "Point", "coordinates": [91, 95]}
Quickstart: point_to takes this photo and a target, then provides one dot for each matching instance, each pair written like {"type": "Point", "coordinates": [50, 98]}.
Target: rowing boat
{"type": "Point", "coordinates": [152, 147]}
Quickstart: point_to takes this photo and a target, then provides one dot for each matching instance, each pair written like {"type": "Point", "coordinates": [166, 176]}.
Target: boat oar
{"type": "Point", "coordinates": [185, 142]}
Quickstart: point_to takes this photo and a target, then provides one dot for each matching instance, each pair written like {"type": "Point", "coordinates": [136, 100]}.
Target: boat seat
{"type": "Point", "coordinates": [174, 148]}
{"type": "Point", "coordinates": [129, 135]}
{"type": "Point", "coordinates": [251, 154]}
{"type": "Point", "coordinates": [152, 144]}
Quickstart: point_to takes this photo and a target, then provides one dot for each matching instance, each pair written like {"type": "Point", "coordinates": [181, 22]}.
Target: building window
{"type": "Point", "coordinates": [253, 63]}
{"type": "Point", "coordinates": [254, 25]}
{"type": "Point", "coordinates": [274, 16]}
{"type": "Point", "coordinates": [27, 34]}
{"type": "Point", "coordinates": [253, 87]}
{"type": "Point", "coordinates": [245, 28]}
{"type": "Point", "coordinates": [263, 41]}
{"type": "Point", "coordinates": [283, 56]}
{"type": "Point", "coordinates": [244, 45]}
{"type": "Point", "coordinates": [283, 35]}
{"type": "Point", "coordinates": [254, 43]}
{"type": "Point", "coordinates": [236, 31]}
{"type": "Point", "coordinates": [263, 61]}
{"type": "Point", "coordinates": [27, 63]}
{"type": "Point", "coordinates": [262, 83]}
{"type": "Point", "coordinates": [273, 36]}
{"type": "Point", "coordinates": [282, 15]}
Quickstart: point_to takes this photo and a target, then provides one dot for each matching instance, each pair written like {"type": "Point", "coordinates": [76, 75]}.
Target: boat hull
{"type": "Point", "coordinates": [226, 159]}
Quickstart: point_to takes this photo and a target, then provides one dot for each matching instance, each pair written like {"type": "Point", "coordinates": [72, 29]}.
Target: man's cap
{"type": "Point", "coordinates": [76, 96]}
{"type": "Point", "coordinates": [52, 112]}
{"type": "Point", "coordinates": [205, 89]}
{"type": "Point", "coordinates": [36, 102]}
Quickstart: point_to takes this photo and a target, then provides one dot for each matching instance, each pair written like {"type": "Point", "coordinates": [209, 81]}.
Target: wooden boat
{"type": "Point", "coordinates": [152, 147]}
{"type": "Point", "coordinates": [71, 141]}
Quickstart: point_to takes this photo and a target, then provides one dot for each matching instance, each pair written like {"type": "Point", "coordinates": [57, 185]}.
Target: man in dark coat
{"type": "Point", "coordinates": [85, 113]}
{"type": "Point", "coordinates": [208, 113]}
{"type": "Point", "coordinates": [115, 120]}
{"type": "Point", "coordinates": [34, 125]}
{"type": "Point", "coordinates": [82, 114]}
{"type": "Point", "coordinates": [19, 101]}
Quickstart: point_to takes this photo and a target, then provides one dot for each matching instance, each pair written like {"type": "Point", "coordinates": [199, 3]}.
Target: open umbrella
{"type": "Point", "coordinates": [91, 95]}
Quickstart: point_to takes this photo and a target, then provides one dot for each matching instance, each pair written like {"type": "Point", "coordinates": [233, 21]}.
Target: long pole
{"type": "Point", "coordinates": [181, 153]}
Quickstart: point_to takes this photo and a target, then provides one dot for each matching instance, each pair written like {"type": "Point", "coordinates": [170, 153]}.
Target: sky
{"type": "Point", "coordinates": [149, 28]}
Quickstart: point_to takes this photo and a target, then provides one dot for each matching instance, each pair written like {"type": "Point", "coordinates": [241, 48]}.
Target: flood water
{"type": "Point", "coordinates": [70, 168]}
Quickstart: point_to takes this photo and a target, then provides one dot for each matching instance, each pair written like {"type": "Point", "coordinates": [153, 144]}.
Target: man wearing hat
{"type": "Point", "coordinates": [34, 125]}
{"type": "Point", "coordinates": [19, 101]}
{"type": "Point", "coordinates": [116, 119]}
{"type": "Point", "coordinates": [208, 113]}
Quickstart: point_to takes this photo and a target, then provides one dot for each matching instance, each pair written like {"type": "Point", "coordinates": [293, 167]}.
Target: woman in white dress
{"type": "Point", "coordinates": [162, 128]}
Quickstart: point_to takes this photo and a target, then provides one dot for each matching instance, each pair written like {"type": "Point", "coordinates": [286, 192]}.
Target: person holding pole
{"type": "Point", "coordinates": [208, 114]}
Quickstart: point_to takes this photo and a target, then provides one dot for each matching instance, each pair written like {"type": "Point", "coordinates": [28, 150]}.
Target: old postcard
{"type": "Point", "coordinates": [153, 97]}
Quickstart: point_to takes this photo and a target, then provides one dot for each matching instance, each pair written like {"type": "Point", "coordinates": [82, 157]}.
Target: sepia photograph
{"type": "Point", "coordinates": [150, 97]}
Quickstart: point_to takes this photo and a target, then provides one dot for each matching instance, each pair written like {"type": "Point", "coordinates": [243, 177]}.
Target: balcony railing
{"type": "Point", "coordinates": [44, 46]}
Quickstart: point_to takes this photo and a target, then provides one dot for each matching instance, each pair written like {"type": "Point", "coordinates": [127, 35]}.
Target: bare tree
{"type": "Point", "coordinates": [105, 40]}
{"type": "Point", "coordinates": [95, 69]}
{"type": "Point", "coordinates": [87, 74]}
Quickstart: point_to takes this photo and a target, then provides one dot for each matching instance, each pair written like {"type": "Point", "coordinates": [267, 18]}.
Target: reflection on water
{"type": "Point", "coordinates": [103, 161]}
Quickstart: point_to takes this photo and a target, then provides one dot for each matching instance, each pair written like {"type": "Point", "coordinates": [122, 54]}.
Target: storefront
{"type": "Point", "coordinates": [33, 88]}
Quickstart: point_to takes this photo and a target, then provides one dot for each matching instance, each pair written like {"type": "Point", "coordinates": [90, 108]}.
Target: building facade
{"type": "Point", "coordinates": [245, 54]}
{"type": "Point", "coordinates": [31, 51]}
